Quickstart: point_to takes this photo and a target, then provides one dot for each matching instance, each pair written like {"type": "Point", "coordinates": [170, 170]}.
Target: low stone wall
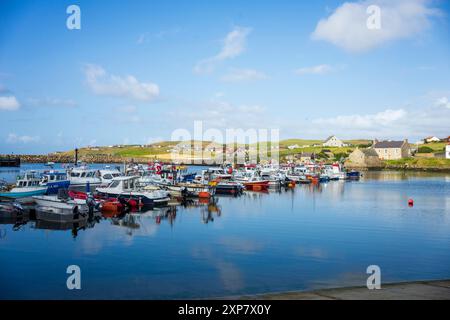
{"type": "Point", "coordinates": [70, 159]}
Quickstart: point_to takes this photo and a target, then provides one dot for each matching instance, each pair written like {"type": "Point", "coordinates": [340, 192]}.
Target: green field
{"type": "Point", "coordinates": [431, 163]}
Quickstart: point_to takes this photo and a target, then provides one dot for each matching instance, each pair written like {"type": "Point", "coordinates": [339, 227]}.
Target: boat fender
{"type": "Point", "coordinates": [410, 202]}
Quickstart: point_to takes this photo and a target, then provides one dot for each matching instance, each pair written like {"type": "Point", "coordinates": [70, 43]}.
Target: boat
{"type": "Point", "coordinates": [353, 175]}
{"type": "Point", "coordinates": [50, 164]}
{"type": "Point", "coordinates": [60, 215]}
{"type": "Point", "coordinates": [10, 207]}
{"type": "Point", "coordinates": [191, 190]}
{"type": "Point", "coordinates": [256, 183]}
{"type": "Point", "coordinates": [53, 201]}
{"type": "Point", "coordinates": [54, 181]}
{"type": "Point", "coordinates": [26, 186]}
{"type": "Point", "coordinates": [81, 176]}
{"type": "Point", "coordinates": [108, 174]}
{"type": "Point", "coordinates": [228, 187]}
{"type": "Point", "coordinates": [127, 188]}
{"type": "Point", "coordinates": [214, 173]}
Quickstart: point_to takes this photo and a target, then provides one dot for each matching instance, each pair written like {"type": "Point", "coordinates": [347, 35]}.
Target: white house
{"type": "Point", "coordinates": [432, 139]}
{"type": "Point", "coordinates": [294, 146]}
{"type": "Point", "coordinates": [333, 141]}
{"type": "Point", "coordinates": [447, 151]}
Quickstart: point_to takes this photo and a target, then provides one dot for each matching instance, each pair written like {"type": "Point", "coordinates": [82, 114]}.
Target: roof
{"type": "Point", "coordinates": [369, 152]}
{"type": "Point", "coordinates": [388, 144]}
{"type": "Point", "coordinates": [330, 138]}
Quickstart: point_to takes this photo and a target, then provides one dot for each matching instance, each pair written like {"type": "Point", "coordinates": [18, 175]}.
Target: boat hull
{"type": "Point", "coordinates": [53, 187]}
{"type": "Point", "coordinates": [23, 194]}
{"type": "Point", "coordinates": [138, 197]}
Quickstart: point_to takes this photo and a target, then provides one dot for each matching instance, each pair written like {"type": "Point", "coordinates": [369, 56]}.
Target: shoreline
{"type": "Point", "coordinates": [100, 159]}
{"type": "Point", "coordinates": [409, 290]}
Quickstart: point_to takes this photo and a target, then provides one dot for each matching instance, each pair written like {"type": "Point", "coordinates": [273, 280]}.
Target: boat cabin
{"type": "Point", "coordinates": [29, 179]}
{"type": "Point", "coordinates": [53, 177]}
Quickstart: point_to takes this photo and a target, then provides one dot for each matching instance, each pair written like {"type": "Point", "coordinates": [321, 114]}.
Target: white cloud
{"type": "Point", "coordinates": [347, 27]}
{"type": "Point", "coordinates": [387, 124]}
{"type": "Point", "coordinates": [52, 102]}
{"type": "Point", "coordinates": [14, 138]}
{"type": "Point", "coordinates": [102, 83]}
{"type": "Point", "coordinates": [9, 103]}
{"type": "Point", "coordinates": [320, 69]}
{"type": "Point", "coordinates": [443, 102]}
{"type": "Point", "coordinates": [376, 121]}
{"type": "Point", "coordinates": [243, 75]}
{"type": "Point", "coordinates": [233, 46]}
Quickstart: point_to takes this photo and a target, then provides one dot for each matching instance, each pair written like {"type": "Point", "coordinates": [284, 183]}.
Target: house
{"type": "Point", "coordinates": [363, 158]}
{"type": "Point", "coordinates": [392, 150]}
{"type": "Point", "coordinates": [294, 146]}
{"type": "Point", "coordinates": [431, 139]}
{"type": "Point", "coordinates": [333, 141]}
{"type": "Point", "coordinates": [447, 151]}
{"type": "Point", "coordinates": [306, 156]}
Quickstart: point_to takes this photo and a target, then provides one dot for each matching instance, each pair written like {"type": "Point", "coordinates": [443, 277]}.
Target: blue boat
{"type": "Point", "coordinates": [27, 186]}
{"type": "Point", "coordinates": [353, 175]}
{"type": "Point", "coordinates": [54, 181]}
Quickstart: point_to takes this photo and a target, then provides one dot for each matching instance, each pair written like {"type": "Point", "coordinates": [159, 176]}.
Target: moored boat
{"type": "Point", "coordinates": [26, 187]}
{"type": "Point", "coordinates": [54, 181]}
{"type": "Point", "coordinates": [127, 188]}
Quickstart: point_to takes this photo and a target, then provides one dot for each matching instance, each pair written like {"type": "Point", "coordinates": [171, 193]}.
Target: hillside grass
{"type": "Point", "coordinates": [432, 163]}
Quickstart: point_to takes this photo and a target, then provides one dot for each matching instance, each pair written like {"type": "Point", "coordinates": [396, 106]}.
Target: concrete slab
{"type": "Point", "coordinates": [426, 290]}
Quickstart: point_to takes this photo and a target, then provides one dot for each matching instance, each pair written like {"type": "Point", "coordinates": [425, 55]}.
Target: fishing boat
{"type": "Point", "coordinates": [60, 215]}
{"type": "Point", "coordinates": [256, 183]}
{"type": "Point", "coordinates": [54, 181]}
{"type": "Point", "coordinates": [128, 188]}
{"type": "Point", "coordinates": [353, 175]}
{"type": "Point", "coordinates": [228, 188]}
{"type": "Point", "coordinates": [26, 186]}
{"type": "Point", "coordinates": [80, 176]}
{"type": "Point", "coordinates": [191, 190]}
{"type": "Point", "coordinates": [53, 201]}
{"type": "Point", "coordinates": [108, 174]}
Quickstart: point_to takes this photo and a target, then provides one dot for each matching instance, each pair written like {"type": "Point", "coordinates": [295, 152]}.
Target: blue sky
{"type": "Point", "coordinates": [138, 70]}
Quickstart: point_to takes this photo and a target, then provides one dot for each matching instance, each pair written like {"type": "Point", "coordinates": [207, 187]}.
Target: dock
{"type": "Point", "coordinates": [419, 290]}
{"type": "Point", "coordinates": [9, 161]}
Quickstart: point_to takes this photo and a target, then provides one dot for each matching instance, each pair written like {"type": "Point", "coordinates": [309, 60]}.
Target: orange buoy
{"type": "Point", "coordinates": [204, 194]}
{"type": "Point", "coordinates": [410, 202]}
{"type": "Point", "coordinates": [111, 207]}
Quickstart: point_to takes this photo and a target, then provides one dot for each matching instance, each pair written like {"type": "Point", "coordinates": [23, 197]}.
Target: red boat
{"type": "Point", "coordinates": [257, 185]}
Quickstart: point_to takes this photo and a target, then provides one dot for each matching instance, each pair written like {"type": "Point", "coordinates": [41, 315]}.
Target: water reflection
{"type": "Point", "coordinates": [312, 236]}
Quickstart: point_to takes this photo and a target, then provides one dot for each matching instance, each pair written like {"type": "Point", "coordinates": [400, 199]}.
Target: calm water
{"type": "Point", "coordinates": [307, 238]}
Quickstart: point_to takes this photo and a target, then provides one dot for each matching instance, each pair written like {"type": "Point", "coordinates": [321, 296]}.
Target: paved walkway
{"type": "Point", "coordinates": [421, 290]}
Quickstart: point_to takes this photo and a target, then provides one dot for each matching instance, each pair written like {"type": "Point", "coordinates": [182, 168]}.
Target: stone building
{"type": "Point", "coordinates": [364, 158]}
{"type": "Point", "coordinates": [392, 150]}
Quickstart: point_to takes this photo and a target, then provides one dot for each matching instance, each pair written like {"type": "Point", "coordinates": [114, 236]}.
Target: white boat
{"type": "Point", "coordinates": [82, 175]}
{"type": "Point", "coordinates": [60, 215]}
{"type": "Point", "coordinates": [56, 202]}
{"type": "Point", "coordinates": [128, 188]}
{"type": "Point", "coordinates": [108, 174]}
{"type": "Point", "coordinates": [27, 186]}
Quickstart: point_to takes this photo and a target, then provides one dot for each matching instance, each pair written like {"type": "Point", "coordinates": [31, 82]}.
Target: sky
{"type": "Point", "coordinates": [137, 71]}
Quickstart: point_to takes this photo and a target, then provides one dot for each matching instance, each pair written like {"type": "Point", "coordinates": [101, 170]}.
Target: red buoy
{"type": "Point", "coordinates": [410, 202]}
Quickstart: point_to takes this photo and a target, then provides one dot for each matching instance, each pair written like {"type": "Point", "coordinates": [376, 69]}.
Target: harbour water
{"type": "Point", "coordinates": [311, 237]}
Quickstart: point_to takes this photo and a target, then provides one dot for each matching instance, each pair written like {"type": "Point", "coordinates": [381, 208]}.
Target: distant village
{"type": "Point", "coordinates": [374, 154]}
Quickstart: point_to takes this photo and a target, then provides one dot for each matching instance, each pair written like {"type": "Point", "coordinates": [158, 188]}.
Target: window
{"type": "Point", "coordinates": [107, 176]}
{"type": "Point", "coordinates": [114, 184]}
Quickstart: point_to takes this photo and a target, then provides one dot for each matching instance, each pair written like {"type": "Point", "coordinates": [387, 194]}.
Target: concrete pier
{"type": "Point", "coordinates": [420, 290]}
